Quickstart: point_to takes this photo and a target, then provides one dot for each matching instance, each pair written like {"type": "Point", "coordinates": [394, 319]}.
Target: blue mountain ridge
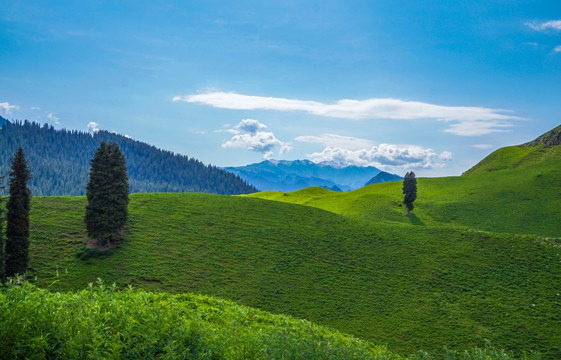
{"type": "Point", "coordinates": [286, 176]}
{"type": "Point", "coordinates": [383, 176]}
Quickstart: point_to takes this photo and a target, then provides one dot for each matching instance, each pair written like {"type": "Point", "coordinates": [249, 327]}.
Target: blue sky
{"type": "Point", "coordinates": [431, 86]}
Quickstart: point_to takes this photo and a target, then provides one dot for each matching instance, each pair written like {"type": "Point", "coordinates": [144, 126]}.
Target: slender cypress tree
{"type": "Point", "coordinates": [120, 186]}
{"type": "Point", "coordinates": [409, 190]}
{"type": "Point", "coordinates": [17, 217]}
{"type": "Point", "coordinates": [2, 255]}
{"type": "Point", "coordinates": [108, 194]}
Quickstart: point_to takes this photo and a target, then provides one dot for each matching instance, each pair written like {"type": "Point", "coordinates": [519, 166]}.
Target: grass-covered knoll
{"type": "Point", "coordinates": [406, 286]}
{"type": "Point", "coordinates": [521, 200]}
{"type": "Point", "coordinates": [514, 157]}
{"type": "Point", "coordinates": [101, 323]}
{"type": "Point", "coordinates": [545, 147]}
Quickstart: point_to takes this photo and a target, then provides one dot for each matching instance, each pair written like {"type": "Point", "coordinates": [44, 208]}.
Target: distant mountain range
{"type": "Point", "coordinates": [60, 161]}
{"type": "Point", "coordinates": [286, 176]}
{"type": "Point", "coordinates": [384, 177]}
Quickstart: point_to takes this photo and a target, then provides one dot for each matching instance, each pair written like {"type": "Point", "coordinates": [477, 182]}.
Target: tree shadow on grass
{"type": "Point", "coordinates": [415, 220]}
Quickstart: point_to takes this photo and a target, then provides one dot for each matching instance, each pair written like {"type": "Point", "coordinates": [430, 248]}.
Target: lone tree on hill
{"type": "Point", "coordinates": [108, 194]}
{"type": "Point", "coordinates": [409, 190]}
{"type": "Point", "coordinates": [17, 217]}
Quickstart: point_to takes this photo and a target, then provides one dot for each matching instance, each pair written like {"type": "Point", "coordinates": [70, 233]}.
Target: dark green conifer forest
{"type": "Point", "coordinates": [60, 160]}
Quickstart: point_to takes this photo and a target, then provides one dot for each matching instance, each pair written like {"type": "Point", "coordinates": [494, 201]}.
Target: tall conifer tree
{"type": "Point", "coordinates": [2, 255]}
{"type": "Point", "coordinates": [17, 217]}
{"type": "Point", "coordinates": [120, 185]}
{"type": "Point", "coordinates": [409, 190]}
{"type": "Point", "coordinates": [108, 194]}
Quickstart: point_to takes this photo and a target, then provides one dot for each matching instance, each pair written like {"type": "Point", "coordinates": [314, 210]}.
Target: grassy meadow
{"type": "Point", "coordinates": [520, 200]}
{"type": "Point", "coordinates": [405, 286]}
{"type": "Point", "coordinates": [478, 262]}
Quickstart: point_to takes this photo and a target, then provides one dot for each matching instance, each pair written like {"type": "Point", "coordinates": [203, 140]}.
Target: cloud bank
{"type": "Point", "coordinates": [333, 140]}
{"type": "Point", "coordinates": [544, 26]}
{"type": "Point", "coordinates": [388, 157]}
{"type": "Point", "coordinates": [6, 108]}
{"type": "Point", "coordinates": [482, 146]}
{"type": "Point", "coordinates": [466, 121]}
{"type": "Point", "coordinates": [250, 134]}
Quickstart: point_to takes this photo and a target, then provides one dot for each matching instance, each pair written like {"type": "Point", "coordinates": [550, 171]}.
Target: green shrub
{"type": "Point", "coordinates": [102, 323]}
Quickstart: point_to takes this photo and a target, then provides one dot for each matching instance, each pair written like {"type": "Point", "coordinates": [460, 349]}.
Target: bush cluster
{"type": "Point", "coordinates": [103, 323]}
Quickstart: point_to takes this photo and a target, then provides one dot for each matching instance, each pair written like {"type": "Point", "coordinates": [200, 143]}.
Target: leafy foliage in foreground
{"type": "Point", "coordinates": [101, 323]}
{"type": "Point", "coordinates": [404, 285]}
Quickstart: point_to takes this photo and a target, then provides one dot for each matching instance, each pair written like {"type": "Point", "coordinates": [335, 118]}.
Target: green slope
{"type": "Point", "coordinates": [545, 147]}
{"type": "Point", "coordinates": [396, 283]}
{"type": "Point", "coordinates": [521, 200]}
{"type": "Point", "coordinates": [515, 157]}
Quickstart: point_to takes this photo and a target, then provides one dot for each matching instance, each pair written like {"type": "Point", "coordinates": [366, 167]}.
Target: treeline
{"type": "Point", "coordinates": [60, 162]}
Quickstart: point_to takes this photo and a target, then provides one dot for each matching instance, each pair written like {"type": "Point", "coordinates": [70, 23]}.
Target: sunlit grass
{"type": "Point", "coordinates": [411, 285]}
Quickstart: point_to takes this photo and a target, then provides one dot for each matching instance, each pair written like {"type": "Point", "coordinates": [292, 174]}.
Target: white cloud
{"type": "Point", "coordinates": [53, 118]}
{"type": "Point", "coordinates": [93, 127]}
{"type": "Point", "coordinates": [476, 128]}
{"type": "Point", "coordinates": [6, 108]}
{"type": "Point", "coordinates": [482, 146]}
{"type": "Point", "coordinates": [262, 141]}
{"type": "Point", "coordinates": [548, 25]}
{"type": "Point", "coordinates": [557, 48]}
{"type": "Point", "coordinates": [334, 140]}
{"type": "Point", "coordinates": [375, 108]}
{"type": "Point", "coordinates": [388, 157]}
{"type": "Point", "coordinates": [251, 135]}
{"type": "Point", "coordinates": [250, 125]}
{"type": "Point", "coordinates": [35, 108]}
{"type": "Point", "coordinates": [445, 156]}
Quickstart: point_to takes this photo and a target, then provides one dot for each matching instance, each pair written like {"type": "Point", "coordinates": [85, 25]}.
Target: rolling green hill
{"type": "Point", "coordinates": [395, 283]}
{"type": "Point", "coordinates": [521, 200]}
{"type": "Point", "coordinates": [479, 260]}
{"type": "Point", "coordinates": [544, 148]}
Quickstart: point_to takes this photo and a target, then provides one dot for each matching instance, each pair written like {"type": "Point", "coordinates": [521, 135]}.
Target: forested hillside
{"type": "Point", "coordinates": [60, 162]}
